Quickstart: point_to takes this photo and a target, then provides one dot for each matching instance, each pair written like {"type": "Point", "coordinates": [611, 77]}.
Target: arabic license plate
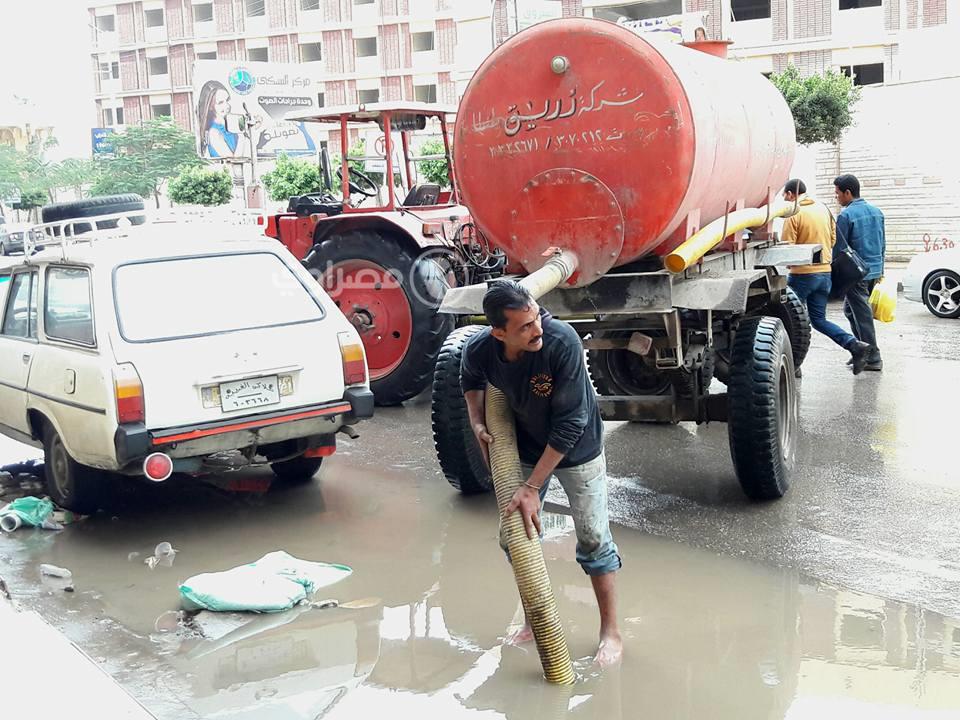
{"type": "Point", "coordinates": [251, 393]}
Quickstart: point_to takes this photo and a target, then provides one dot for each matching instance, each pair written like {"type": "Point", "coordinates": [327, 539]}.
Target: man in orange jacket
{"type": "Point", "coordinates": [814, 225]}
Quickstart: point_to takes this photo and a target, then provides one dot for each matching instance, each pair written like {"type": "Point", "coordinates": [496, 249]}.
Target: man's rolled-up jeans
{"type": "Point", "coordinates": [586, 489]}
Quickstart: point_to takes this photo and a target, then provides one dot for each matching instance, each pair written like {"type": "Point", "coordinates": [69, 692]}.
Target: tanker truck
{"type": "Point", "coordinates": [643, 177]}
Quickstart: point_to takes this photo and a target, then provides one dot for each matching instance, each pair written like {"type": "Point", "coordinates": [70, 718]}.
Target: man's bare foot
{"type": "Point", "coordinates": [610, 651]}
{"type": "Point", "coordinates": [521, 635]}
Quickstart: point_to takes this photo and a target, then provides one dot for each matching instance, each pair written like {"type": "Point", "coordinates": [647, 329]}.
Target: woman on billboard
{"type": "Point", "coordinates": [212, 109]}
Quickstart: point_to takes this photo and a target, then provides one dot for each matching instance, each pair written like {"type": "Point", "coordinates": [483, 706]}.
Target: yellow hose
{"type": "Point", "coordinates": [708, 237]}
{"type": "Point", "coordinates": [529, 567]}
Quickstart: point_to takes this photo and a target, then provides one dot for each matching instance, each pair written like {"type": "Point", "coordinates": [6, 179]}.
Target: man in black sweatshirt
{"type": "Point", "coordinates": [537, 362]}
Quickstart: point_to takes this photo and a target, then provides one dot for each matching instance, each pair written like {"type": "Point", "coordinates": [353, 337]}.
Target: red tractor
{"type": "Point", "coordinates": [387, 252]}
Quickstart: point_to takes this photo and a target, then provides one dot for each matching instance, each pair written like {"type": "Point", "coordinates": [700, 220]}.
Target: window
{"type": "Point", "coordinates": [366, 97]}
{"type": "Point", "coordinates": [212, 55]}
{"type": "Point", "coordinates": [258, 54]}
{"type": "Point", "coordinates": [153, 18]}
{"type": "Point", "coordinates": [366, 47]}
{"type": "Point", "coordinates": [871, 74]}
{"type": "Point", "coordinates": [158, 65]}
{"type": "Point", "coordinates": [161, 110]}
{"type": "Point", "coordinates": [105, 23]}
{"type": "Point", "coordinates": [203, 13]}
{"type": "Point", "coordinates": [68, 312]}
{"type": "Point", "coordinates": [856, 4]}
{"type": "Point", "coordinates": [749, 9]}
{"type": "Point", "coordinates": [311, 52]}
{"type": "Point", "coordinates": [425, 93]}
{"type": "Point", "coordinates": [110, 71]}
{"type": "Point", "coordinates": [108, 117]}
{"type": "Point", "coordinates": [119, 116]}
{"type": "Point", "coordinates": [20, 318]}
{"type": "Point", "coordinates": [215, 294]}
{"type": "Point", "coordinates": [321, 100]}
{"type": "Point", "coordinates": [422, 41]}
{"type": "Point", "coordinates": [307, 5]}
{"type": "Point", "coordinates": [256, 8]}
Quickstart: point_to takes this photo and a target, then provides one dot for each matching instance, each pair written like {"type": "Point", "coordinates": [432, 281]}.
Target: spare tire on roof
{"type": "Point", "coordinates": [93, 207]}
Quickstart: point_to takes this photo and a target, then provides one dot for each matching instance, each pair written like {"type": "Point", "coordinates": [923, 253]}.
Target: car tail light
{"type": "Point", "coordinates": [158, 467]}
{"type": "Point", "coordinates": [354, 362]}
{"type": "Point", "coordinates": [129, 393]}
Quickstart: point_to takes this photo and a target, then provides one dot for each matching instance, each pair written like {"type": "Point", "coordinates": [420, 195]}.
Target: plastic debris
{"type": "Point", "coordinates": [274, 583]}
{"type": "Point", "coordinates": [164, 554]}
{"type": "Point", "coordinates": [29, 511]}
{"type": "Point", "coordinates": [57, 572]}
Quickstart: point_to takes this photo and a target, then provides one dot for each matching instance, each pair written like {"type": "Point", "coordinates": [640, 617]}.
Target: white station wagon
{"type": "Point", "coordinates": [165, 349]}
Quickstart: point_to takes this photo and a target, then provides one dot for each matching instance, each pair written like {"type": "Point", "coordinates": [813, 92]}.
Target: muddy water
{"type": "Point", "coordinates": [431, 597]}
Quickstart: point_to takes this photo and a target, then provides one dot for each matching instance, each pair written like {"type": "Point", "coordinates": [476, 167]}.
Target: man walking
{"type": "Point", "coordinates": [860, 226]}
{"type": "Point", "coordinates": [537, 362]}
{"type": "Point", "coordinates": [813, 225]}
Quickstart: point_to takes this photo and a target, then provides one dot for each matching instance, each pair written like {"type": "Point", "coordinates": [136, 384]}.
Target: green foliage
{"type": "Point", "coordinates": [434, 170]}
{"type": "Point", "coordinates": [291, 177]}
{"type": "Point", "coordinates": [821, 104]}
{"type": "Point", "coordinates": [31, 199]}
{"type": "Point", "coordinates": [74, 173]}
{"type": "Point", "coordinates": [146, 156]}
{"type": "Point", "coordinates": [200, 186]}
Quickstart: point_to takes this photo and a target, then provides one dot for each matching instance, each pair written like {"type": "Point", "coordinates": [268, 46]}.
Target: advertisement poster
{"type": "Point", "coordinates": [264, 91]}
{"type": "Point", "coordinates": [672, 28]}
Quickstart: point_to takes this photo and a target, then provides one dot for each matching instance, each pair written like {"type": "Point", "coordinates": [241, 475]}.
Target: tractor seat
{"type": "Point", "coordinates": [427, 194]}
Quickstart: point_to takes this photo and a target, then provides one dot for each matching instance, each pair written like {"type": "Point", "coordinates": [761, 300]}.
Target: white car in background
{"type": "Point", "coordinates": [933, 278]}
{"type": "Point", "coordinates": [168, 347]}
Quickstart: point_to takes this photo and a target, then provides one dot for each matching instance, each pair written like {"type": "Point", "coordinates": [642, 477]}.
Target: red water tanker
{"type": "Point", "coordinates": [581, 134]}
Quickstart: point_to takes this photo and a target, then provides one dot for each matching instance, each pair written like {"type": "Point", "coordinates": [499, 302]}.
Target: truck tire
{"type": "Point", "coordinates": [622, 372]}
{"type": "Point", "coordinates": [793, 314]}
{"type": "Point", "coordinates": [296, 470]}
{"type": "Point", "coordinates": [762, 408]}
{"type": "Point", "coordinates": [70, 485]}
{"type": "Point", "coordinates": [105, 205]}
{"type": "Point", "coordinates": [457, 449]}
{"type": "Point", "coordinates": [391, 296]}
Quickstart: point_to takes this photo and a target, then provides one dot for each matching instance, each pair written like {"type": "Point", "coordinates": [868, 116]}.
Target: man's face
{"type": "Point", "coordinates": [523, 331]}
{"type": "Point", "coordinates": [844, 197]}
{"type": "Point", "coordinates": [789, 196]}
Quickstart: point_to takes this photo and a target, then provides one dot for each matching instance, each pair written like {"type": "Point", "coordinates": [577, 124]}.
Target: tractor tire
{"type": "Point", "coordinates": [391, 295]}
{"type": "Point", "coordinates": [793, 314]}
{"type": "Point", "coordinates": [106, 205]}
{"type": "Point", "coordinates": [459, 453]}
{"type": "Point", "coordinates": [763, 416]}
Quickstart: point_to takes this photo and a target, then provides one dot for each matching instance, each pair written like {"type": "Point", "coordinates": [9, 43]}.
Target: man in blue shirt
{"type": "Point", "coordinates": [860, 226]}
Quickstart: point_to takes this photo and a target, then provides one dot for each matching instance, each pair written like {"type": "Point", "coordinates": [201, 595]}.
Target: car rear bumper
{"type": "Point", "coordinates": [135, 442]}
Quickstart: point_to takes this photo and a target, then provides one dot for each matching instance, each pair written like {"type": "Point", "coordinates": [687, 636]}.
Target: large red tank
{"type": "Point", "coordinates": [580, 134]}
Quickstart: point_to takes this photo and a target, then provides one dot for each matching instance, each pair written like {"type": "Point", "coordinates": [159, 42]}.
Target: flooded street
{"type": "Point", "coordinates": [841, 600]}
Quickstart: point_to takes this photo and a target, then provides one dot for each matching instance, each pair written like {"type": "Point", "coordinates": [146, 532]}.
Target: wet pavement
{"type": "Point", "coordinates": [841, 600]}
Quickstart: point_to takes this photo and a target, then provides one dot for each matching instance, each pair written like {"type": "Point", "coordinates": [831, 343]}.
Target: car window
{"type": "Point", "coordinates": [20, 313]}
{"type": "Point", "coordinates": [190, 297]}
{"type": "Point", "coordinates": [68, 311]}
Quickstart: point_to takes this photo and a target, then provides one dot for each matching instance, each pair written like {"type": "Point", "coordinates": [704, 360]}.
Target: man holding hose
{"type": "Point", "coordinates": [538, 364]}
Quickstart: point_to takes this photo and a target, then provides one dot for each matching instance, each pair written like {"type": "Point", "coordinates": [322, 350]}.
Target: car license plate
{"type": "Point", "coordinates": [251, 393]}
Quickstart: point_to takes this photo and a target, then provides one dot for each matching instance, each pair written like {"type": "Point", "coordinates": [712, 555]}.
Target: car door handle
{"type": "Point", "coordinates": [26, 358]}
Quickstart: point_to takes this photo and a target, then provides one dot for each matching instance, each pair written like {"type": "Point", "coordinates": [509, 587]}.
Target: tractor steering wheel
{"type": "Point", "coordinates": [367, 187]}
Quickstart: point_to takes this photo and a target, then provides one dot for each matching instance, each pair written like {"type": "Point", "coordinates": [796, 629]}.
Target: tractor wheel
{"type": "Point", "coordinates": [457, 449]}
{"type": "Point", "coordinates": [91, 207]}
{"type": "Point", "coordinates": [391, 296]}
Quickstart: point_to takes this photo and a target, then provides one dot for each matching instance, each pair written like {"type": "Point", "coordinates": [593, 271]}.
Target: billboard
{"type": "Point", "coordinates": [264, 91]}
{"type": "Point", "coordinates": [100, 141]}
{"type": "Point", "coordinates": [672, 28]}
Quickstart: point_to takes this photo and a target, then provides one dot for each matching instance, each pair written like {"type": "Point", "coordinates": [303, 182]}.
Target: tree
{"type": "Point", "coordinates": [200, 186]}
{"type": "Point", "coordinates": [146, 156]}
{"type": "Point", "coordinates": [434, 170]}
{"type": "Point", "coordinates": [74, 173]}
{"type": "Point", "coordinates": [292, 177]}
{"type": "Point", "coordinates": [821, 104]}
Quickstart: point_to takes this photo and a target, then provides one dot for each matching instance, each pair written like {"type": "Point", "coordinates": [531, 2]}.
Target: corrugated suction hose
{"type": "Point", "coordinates": [529, 567]}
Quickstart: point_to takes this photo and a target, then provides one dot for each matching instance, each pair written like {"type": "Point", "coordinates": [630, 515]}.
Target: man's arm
{"type": "Point", "coordinates": [477, 412]}
{"type": "Point", "coordinates": [844, 229]}
{"type": "Point", "coordinates": [790, 229]}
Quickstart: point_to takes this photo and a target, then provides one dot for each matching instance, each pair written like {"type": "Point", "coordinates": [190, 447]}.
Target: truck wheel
{"type": "Point", "coordinates": [457, 450]}
{"type": "Point", "coordinates": [391, 296]}
{"type": "Point", "coordinates": [762, 409]}
{"type": "Point", "coordinates": [105, 205]}
{"type": "Point", "coordinates": [793, 314]}
{"type": "Point", "coordinates": [296, 470]}
{"type": "Point", "coordinates": [71, 485]}
{"type": "Point", "coordinates": [621, 372]}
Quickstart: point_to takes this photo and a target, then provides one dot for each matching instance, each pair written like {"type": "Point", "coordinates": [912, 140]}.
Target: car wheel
{"type": "Point", "coordinates": [941, 293]}
{"type": "Point", "coordinates": [3, 249]}
{"type": "Point", "coordinates": [70, 485]}
{"type": "Point", "coordinates": [296, 470]}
